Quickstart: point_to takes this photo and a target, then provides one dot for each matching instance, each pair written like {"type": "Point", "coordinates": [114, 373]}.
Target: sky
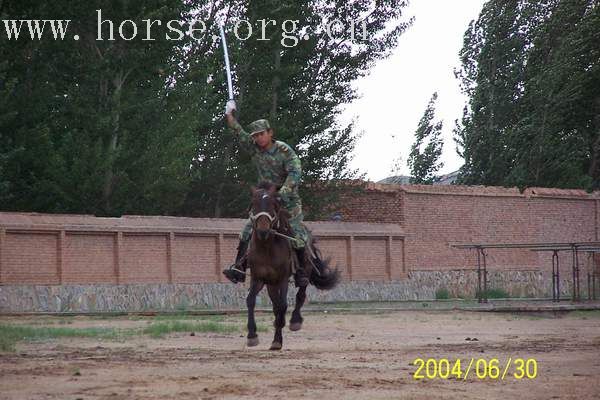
{"type": "Point", "coordinates": [394, 95]}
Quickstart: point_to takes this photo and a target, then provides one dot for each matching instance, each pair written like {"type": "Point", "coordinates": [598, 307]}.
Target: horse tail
{"type": "Point", "coordinates": [322, 276]}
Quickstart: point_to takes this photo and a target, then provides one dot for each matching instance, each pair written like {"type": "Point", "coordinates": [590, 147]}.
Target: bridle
{"type": "Point", "coordinates": [273, 219]}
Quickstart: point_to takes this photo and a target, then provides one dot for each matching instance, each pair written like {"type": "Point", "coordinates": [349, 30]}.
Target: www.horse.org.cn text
{"type": "Point", "coordinates": [264, 29]}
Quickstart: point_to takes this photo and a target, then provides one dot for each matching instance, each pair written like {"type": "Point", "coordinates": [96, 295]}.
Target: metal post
{"type": "Point", "coordinates": [479, 294]}
{"type": "Point", "coordinates": [485, 292]}
{"type": "Point", "coordinates": [589, 282]}
{"type": "Point", "coordinates": [594, 277]}
{"type": "Point", "coordinates": [555, 281]}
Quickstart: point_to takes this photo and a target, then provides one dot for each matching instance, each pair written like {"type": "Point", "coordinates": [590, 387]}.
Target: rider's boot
{"type": "Point", "coordinates": [237, 271]}
{"type": "Point", "coordinates": [301, 277]}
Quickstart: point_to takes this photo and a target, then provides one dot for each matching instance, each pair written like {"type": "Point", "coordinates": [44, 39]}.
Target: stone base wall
{"type": "Point", "coordinates": [463, 283]}
{"type": "Point", "coordinates": [420, 285]}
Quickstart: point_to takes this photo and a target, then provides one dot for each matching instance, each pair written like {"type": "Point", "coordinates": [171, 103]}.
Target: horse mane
{"type": "Point", "coordinates": [265, 185]}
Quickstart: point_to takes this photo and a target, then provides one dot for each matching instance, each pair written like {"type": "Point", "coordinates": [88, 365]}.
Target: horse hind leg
{"type": "Point", "coordinates": [296, 320]}
{"type": "Point", "coordinates": [278, 295]}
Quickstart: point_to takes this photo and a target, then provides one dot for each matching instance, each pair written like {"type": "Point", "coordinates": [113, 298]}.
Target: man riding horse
{"type": "Point", "coordinates": [277, 163]}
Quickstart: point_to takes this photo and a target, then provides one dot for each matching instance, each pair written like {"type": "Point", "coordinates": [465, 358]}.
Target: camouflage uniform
{"type": "Point", "coordinates": [281, 166]}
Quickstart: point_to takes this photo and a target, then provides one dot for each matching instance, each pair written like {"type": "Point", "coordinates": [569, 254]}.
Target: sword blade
{"type": "Point", "coordinates": [227, 68]}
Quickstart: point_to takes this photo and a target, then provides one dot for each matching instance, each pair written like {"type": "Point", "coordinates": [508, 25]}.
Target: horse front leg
{"type": "Point", "coordinates": [296, 320]}
{"type": "Point", "coordinates": [255, 288]}
{"type": "Point", "coordinates": [278, 295]}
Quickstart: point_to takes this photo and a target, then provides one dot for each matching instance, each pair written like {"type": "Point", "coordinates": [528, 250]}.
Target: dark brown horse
{"type": "Point", "coordinates": [270, 259]}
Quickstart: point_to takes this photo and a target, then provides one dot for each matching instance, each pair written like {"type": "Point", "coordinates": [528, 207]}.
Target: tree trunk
{"type": "Point", "coordinates": [540, 157]}
{"type": "Point", "coordinates": [113, 142]}
{"type": "Point", "coordinates": [275, 82]}
{"type": "Point", "coordinates": [594, 169]}
{"type": "Point", "coordinates": [491, 178]}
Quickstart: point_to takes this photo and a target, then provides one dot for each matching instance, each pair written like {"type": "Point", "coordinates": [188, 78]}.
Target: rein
{"type": "Point", "coordinates": [291, 240]}
{"type": "Point", "coordinates": [274, 232]}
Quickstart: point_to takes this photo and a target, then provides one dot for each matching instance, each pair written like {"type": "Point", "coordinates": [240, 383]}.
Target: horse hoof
{"type": "Point", "coordinates": [295, 326]}
{"type": "Point", "coordinates": [251, 342]}
{"type": "Point", "coordinates": [275, 346]}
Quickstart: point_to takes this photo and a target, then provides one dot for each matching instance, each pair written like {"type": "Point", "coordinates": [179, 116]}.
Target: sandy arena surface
{"type": "Point", "coordinates": [335, 356]}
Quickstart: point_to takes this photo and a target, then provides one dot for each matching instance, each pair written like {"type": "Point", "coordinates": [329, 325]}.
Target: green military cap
{"type": "Point", "coordinates": [258, 126]}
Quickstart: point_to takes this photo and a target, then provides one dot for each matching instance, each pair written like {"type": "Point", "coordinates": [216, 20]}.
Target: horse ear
{"type": "Point", "coordinates": [252, 190]}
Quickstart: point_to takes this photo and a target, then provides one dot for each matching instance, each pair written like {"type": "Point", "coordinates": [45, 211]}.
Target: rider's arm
{"type": "Point", "coordinates": [243, 137]}
{"type": "Point", "coordinates": [294, 171]}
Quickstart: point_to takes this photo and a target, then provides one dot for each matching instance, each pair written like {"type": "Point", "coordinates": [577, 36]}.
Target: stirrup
{"type": "Point", "coordinates": [234, 274]}
{"type": "Point", "coordinates": [233, 268]}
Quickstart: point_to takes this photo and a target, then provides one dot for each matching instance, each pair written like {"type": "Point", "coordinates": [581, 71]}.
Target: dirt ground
{"type": "Point", "coordinates": [335, 356]}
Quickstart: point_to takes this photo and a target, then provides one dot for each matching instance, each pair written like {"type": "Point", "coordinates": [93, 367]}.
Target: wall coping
{"type": "Point", "coordinates": [163, 224]}
{"type": "Point", "coordinates": [484, 191]}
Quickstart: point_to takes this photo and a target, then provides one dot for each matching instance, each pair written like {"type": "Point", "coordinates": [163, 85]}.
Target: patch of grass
{"type": "Point", "coordinates": [585, 314]}
{"type": "Point", "coordinates": [536, 317]}
{"type": "Point", "coordinates": [36, 322]}
{"type": "Point", "coordinates": [159, 329]}
{"type": "Point", "coordinates": [185, 316]}
{"type": "Point", "coordinates": [496, 293]}
{"type": "Point", "coordinates": [12, 334]}
{"type": "Point", "coordinates": [107, 315]}
{"type": "Point", "coordinates": [442, 294]}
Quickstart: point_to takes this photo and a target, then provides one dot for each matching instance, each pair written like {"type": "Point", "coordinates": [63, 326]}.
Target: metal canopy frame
{"type": "Point", "coordinates": [574, 247]}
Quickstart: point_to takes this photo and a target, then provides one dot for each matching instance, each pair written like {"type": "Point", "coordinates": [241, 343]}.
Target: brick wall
{"type": "Point", "coordinates": [433, 217]}
{"type": "Point", "coordinates": [377, 203]}
{"type": "Point", "coordinates": [88, 257]}
{"type": "Point", "coordinates": [44, 249]}
{"type": "Point", "coordinates": [32, 258]}
{"type": "Point", "coordinates": [414, 228]}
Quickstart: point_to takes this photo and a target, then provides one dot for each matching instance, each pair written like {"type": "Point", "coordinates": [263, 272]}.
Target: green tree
{"type": "Point", "coordinates": [6, 150]}
{"type": "Point", "coordinates": [299, 88]}
{"type": "Point", "coordinates": [491, 76]}
{"type": "Point", "coordinates": [425, 152]}
{"type": "Point", "coordinates": [94, 118]}
{"type": "Point", "coordinates": [135, 126]}
{"type": "Point", "coordinates": [531, 72]}
{"type": "Point", "coordinates": [555, 133]}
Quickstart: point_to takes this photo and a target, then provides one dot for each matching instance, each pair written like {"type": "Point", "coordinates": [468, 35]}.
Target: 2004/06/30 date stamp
{"type": "Point", "coordinates": [475, 368]}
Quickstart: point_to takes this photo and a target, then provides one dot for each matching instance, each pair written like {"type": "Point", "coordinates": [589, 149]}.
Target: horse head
{"type": "Point", "coordinates": [265, 210]}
